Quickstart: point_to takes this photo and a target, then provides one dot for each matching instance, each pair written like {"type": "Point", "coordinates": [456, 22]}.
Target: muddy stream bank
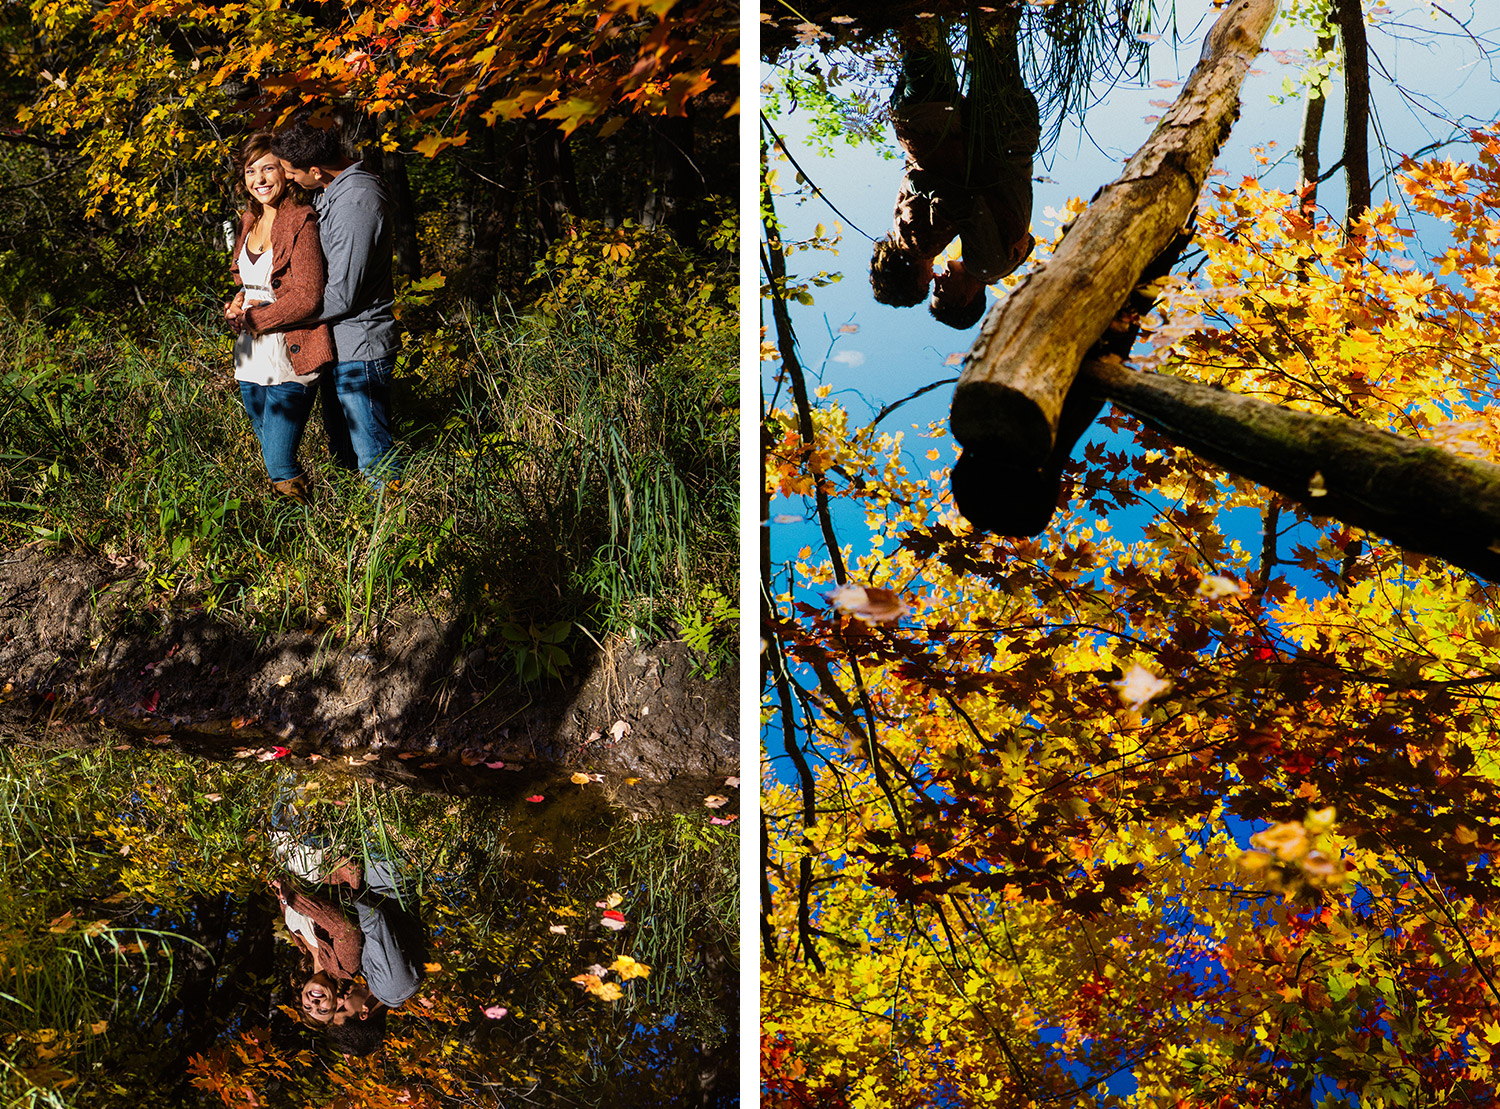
{"type": "Point", "coordinates": [86, 647]}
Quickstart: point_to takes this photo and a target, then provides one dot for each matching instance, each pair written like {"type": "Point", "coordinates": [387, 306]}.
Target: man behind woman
{"type": "Point", "coordinates": [316, 307]}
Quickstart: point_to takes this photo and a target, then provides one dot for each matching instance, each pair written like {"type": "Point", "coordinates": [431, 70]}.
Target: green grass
{"type": "Point", "coordinates": [552, 477]}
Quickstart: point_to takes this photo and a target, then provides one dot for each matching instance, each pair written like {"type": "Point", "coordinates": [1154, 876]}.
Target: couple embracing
{"type": "Point", "coordinates": [315, 313]}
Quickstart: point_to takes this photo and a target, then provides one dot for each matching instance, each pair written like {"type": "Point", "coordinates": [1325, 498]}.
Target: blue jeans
{"type": "Point", "coordinates": [357, 416]}
{"type": "Point", "coordinates": [278, 413]}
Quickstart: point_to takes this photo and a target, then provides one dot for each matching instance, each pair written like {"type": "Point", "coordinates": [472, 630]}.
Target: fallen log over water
{"type": "Point", "coordinates": [1027, 355]}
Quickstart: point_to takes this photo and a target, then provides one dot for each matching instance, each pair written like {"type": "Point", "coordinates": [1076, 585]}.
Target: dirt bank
{"type": "Point", "coordinates": [82, 642]}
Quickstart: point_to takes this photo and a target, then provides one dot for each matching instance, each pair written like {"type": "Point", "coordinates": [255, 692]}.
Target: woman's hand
{"type": "Point", "coordinates": [234, 310]}
{"type": "Point", "coordinates": [242, 323]}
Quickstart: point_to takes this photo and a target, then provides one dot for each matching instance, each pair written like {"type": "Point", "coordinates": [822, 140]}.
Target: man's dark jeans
{"type": "Point", "coordinates": [357, 417]}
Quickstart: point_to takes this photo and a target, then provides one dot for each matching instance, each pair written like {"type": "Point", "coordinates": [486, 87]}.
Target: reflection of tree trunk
{"type": "Point", "coordinates": [1312, 134]}
{"type": "Point", "coordinates": [1351, 22]}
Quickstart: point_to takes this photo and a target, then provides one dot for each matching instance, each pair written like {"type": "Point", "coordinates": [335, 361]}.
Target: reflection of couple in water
{"type": "Point", "coordinates": [380, 944]}
{"type": "Point", "coordinates": [968, 170]}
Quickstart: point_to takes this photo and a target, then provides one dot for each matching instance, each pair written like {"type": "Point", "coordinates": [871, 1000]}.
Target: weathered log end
{"type": "Point", "coordinates": [1005, 422]}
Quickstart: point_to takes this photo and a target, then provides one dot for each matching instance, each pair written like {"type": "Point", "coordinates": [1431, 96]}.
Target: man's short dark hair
{"type": "Point", "coordinates": [359, 1037]}
{"type": "Point", "coordinates": [960, 316]}
{"type": "Point", "coordinates": [306, 144]}
{"type": "Point", "coordinates": [895, 275]}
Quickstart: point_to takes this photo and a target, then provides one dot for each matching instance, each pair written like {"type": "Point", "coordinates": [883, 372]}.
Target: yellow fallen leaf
{"type": "Point", "coordinates": [432, 968]}
{"type": "Point", "coordinates": [284, 681]}
{"type": "Point", "coordinates": [627, 968]}
{"type": "Point", "coordinates": [610, 991]}
{"type": "Point", "coordinates": [714, 801]}
{"type": "Point", "coordinates": [631, 781]}
{"type": "Point", "coordinates": [579, 779]}
{"type": "Point", "coordinates": [590, 982]}
{"type": "Point", "coordinates": [98, 1027]}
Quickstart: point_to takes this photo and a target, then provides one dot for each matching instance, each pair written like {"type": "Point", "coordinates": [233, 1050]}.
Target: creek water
{"type": "Point", "coordinates": [535, 943]}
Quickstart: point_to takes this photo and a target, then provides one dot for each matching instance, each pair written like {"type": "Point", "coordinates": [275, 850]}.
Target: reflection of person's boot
{"type": "Point", "coordinates": [293, 488]}
{"type": "Point", "coordinates": [347, 873]}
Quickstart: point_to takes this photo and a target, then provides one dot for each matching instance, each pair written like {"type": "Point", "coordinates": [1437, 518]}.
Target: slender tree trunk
{"type": "Point", "coordinates": [390, 167]}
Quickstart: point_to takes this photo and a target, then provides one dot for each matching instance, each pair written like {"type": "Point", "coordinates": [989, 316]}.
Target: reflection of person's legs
{"type": "Point", "coordinates": [1001, 116]}
{"type": "Point", "coordinates": [927, 74]}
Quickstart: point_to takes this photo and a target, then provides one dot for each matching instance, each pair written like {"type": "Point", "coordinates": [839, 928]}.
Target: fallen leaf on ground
{"type": "Point", "coordinates": [631, 781]}
{"type": "Point", "coordinates": [730, 819]}
{"type": "Point", "coordinates": [284, 681]}
{"type": "Point", "coordinates": [579, 779]}
{"type": "Point", "coordinates": [714, 801]}
{"type": "Point", "coordinates": [535, 797]}
{"type": "Point", "coordinates": [495, 1012]}
{"type": "Point", "coordinates": [160, 740]}
{"type": "Point", "coordinates": [559, 929]}
{"type": "Point", "coordinates": [619, 730]}
{"type": "Point", "coordinates": [610, 902]}
{"type": "Point", "coordinates": [213, 797]}
{"type": "Point", "coordinates": [732, 783]}
{"type": "Point", "coordinates": [498, 764]}
{"type": "Point", "coordinates": [590, 982]}
{"type": "Point", "coordinates": [151, 700]}
{"type": "Point", "coordinates": [610, 991]}
{"type": "Point", "coordinates": [432, 968]}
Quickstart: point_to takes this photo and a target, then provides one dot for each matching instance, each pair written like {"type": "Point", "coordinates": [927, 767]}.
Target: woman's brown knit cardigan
{"type": "Point", "coordinates": [297, 276]}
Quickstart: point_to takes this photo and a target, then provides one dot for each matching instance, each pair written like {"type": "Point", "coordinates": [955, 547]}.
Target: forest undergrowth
{"type": "Point", "coordinates": [559, 478]}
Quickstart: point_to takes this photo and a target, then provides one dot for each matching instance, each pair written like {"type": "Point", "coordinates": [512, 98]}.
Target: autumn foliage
{"type": "Point", "coordinates": [1136, 812]}
{"type": "Point", "coordinates": [149, 90]}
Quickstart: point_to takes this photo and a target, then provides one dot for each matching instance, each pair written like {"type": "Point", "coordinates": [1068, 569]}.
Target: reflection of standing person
{"type": "Point", "coordinates": [334, 948]}
{"type": "Point", "coordinates": [359, 300]}
{"type": "Point", "coordinates": [391, 961]}
{"type": "Point", "coordinates": [968, 173]}
{"type": "Point", "coordinates": [278, 263]}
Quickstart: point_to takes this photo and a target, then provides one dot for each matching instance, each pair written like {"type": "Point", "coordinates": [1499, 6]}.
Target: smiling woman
{"type": "Point", "coordinates": [278, 264]}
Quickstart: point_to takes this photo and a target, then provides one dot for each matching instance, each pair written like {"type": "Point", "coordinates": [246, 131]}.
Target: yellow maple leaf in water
{"type": "Point", "coordinates": [627, 968]}
{"type": "Point", "coordinates": [590, 982]}
{"type": "Point", "coordinates": [610, 991]}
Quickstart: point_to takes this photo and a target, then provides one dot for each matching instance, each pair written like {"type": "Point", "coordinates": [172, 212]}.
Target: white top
{"type": "Point", "coordinates": [262, 359]}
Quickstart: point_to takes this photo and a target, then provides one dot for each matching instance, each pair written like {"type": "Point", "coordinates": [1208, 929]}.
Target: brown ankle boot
{"type": "Point", "coordinates": [295, 488]}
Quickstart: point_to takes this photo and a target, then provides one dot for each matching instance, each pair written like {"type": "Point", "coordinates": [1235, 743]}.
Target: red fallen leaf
{"type": "Point", "coordinates": [536, 797]}
{"type": "Point", "coordinates": [151, 700]}
{"type": "Point", "coordinates": [730, 819]}
{"type": "Point", "coordinates": [496, 765]}
{"type": "Point", "coordinates": [280, 752]}
{"type": "Point", "coordinates": [495, 1012]}
{"type": "Point", "coordinates": [613, 914]}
